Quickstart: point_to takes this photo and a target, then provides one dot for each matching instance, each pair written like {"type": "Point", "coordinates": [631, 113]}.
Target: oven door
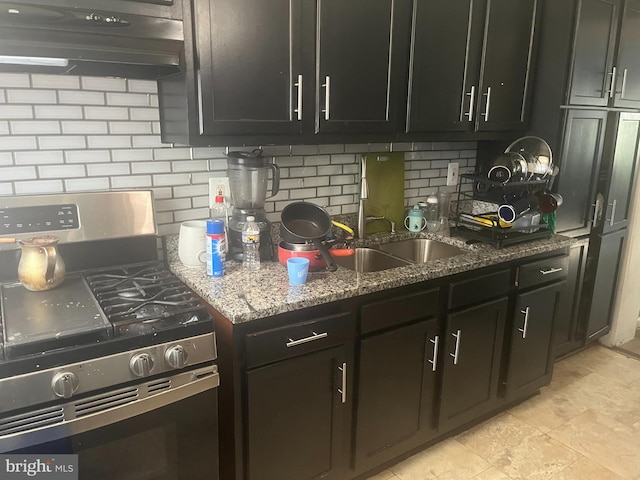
{"type": "Point", "coordinates": [168, 435]}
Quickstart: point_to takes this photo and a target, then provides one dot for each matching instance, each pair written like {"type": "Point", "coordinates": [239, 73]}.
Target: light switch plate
{"type": "Point", "coordinates": [216, 184]}
{"type": "Point", "coordinates": [452, 174]}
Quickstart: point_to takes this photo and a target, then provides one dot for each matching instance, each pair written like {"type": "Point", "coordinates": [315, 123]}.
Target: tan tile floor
{"type": "Point", "coordinates": [584, 426]}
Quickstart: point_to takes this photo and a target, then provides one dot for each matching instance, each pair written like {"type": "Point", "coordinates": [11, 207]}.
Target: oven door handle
{"type": "Point", "coordinates": [193, 383]}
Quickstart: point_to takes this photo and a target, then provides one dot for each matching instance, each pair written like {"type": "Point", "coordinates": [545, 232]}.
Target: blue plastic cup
{"type": "Point", "coordinates": [298, 269]}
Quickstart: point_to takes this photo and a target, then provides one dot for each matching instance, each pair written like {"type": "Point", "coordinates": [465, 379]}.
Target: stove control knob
{"type": "Point", "coordinates": [176, 356]}
{"type": "Point", "coordinates": [65, 384]}
{"type": "Point", "coordinates": [141, 364]}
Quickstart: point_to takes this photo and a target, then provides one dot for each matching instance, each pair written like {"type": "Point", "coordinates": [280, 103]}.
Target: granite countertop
{"type": "Point", "coordinates": [267, 291]}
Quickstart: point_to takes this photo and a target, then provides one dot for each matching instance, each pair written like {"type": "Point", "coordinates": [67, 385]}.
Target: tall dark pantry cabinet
{"type": "Point", "coordinates": [586, 104]}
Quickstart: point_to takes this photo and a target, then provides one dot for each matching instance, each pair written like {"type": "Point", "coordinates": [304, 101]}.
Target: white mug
{"type": "Point", "coordinates": [192, 243]}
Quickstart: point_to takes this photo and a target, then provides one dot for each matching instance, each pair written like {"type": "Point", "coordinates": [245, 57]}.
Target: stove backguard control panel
{"type": "Point", "coordinates": [44, 218]}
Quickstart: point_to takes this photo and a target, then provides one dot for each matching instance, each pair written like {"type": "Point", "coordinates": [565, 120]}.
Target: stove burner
{"type": "Point", "coordinates": [152, 310]}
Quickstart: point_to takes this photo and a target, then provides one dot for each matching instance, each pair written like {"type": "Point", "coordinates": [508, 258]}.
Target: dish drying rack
{"type": "Point", "coordinates": [486, 190]}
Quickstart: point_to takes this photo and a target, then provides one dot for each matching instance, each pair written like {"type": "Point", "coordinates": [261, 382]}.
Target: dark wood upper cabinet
{"type": "Point", "coordinates": [470, 65]}
{"type": "Point", "coordinates": [628, 94]}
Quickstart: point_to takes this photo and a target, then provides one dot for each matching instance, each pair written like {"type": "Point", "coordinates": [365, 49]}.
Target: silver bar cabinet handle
{"type": "Point", "coordinates": [327, 96]}
{"type": "Point", "coordinates": [472, 101]}
{"type": "Point", "coordinates": [526, 322]}
{"type": "Point", "coordinates": [551, 270]}
{"type": "Point", "coordinates": [488, 105]}
{"type": "Point", "coordinates": [612, 219]}
{"type": "Point", "coordinates": [434, 359]}
{"type": "Point", "coordinates": [612, 90]}
{"type": "Point", "coordinates": [315, 336]}
{"type": "Point", "coordinates": [343, 390]}
{"type": "Point", "coordinates": [455, 353]}
{"type": "Point", "coordinates": [624, 82]}
{"type": "Point", "coordinates": [299, 109]}
{"type": "Point", "coordinates": [593, 220]}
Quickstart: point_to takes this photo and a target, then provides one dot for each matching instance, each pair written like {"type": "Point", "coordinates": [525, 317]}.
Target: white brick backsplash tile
{"type": "Point", "coordinates": [182, 153]}
{"type": "Point", "coordinates": [79, 97]}
{"type": "Point", "coordinates": [109, 141]}
{"type": "Point", "coordinates": [343, 159]}
{"type": "Point", "coordinates": [132, 155]}
{"type": "Point", "coordinates": [18, 143]}
{"type": "Point", "coordinates": [147, 141]}
{"type": "Point", "coordinates": [3, 98]}
{"type": "Point", "coordinates": [329, 191]}
{"type": "Point", "coordinates": [201, 202]}
{"type": "Point", "coordinates": [128, 99]}
{"type": "Point", "coordinates": [342, 179]}
{"type": "Point", "coordinates": [106, 113]}
{"type": "Point", "coordinates": [106, 169]}
{"type": "Point", "coordinates": [172, 204]}
{"type": "Point", "coordinates": [55, 81]}
{"type": "Point", "coordinates": [130, 127]}
{"type": "Point", "coordinates": [412, 156]}
{"type": "Point", "coordinates": [19, 173]}
{"type": "Point", "coordinates": [341, 200]}
{"type": "Point", "coordinates": [218, 165]}
{"type": "Point", "coordinates": [86, 184]}
{"type": "Point", "coordinates": [330, 149]}
{"type": "Point", "coordinates": [31, 96]}
{"type": "Point", "coordinates": [280, 196]}
{"type": "Point", "coordinates": [85, 127]}
{"type": "Point", "coordinates": [13, 112]}
{"type": "Point", "coordinates": [356, 148]}
{"type": "Point", "coordinates": [468, 153]}
{"type": "Point", "coordinates": [417, 146]}
{"type": "Point", "coordinates": [354, 168]}
{"type": "Point", "coordinates": [172, 179]}
{"type": "Point", "coordinates": [450, 154]}
{"type": "Point", "coordinates": [330, 170]}
{"type": "Point", "coordinates": [151, 167]}
{"type": "Point", "coordinates": [87, 156]}
{"type": "Point", "coordinates": [203, 177]}
{"type": "Point", "coordinates": [104, 84]}
{"type": "Point", "coordinates": [34, 127]}
{"type": "Point", "coordinates": [4, 127]}
{"type": "Point", "coordinates": [39, 158]}
{"type": "Point", "coordinates": [172, 229]}
{"type": "Point", "coordinates": [419, 183]}
{"type": "Point", "coordinates": [191, 190]}
{"type": "Point", "coordinates": [191, 214]}
{"type": "Point", "coordinates": [131, 181]}
{"type": "Point", "coordinates": [151, 114]}
{"type": "Point", "coordinates": [6, 158]}
{"type": "Point", "coordinates": [289, 183]}
{"type": "Point", "coordinates": [275, 150]}
{"type": "Point", "coordinates": [429, 173]}
{"type": "Point", "coordinates": [315, 181]}
{"type": "Point", "coordinates": [61, 171]}
{"type": "Point", "coordinates": [303, 171]}
{"type": "Point", "coordinates": [353, 208]}
{"type": "Point", "coordinates": [65, 142]}
{"type": "Point", "coordinates": [160, 193]}
{"type": "Point", "coordinates": [317, 160]}
{"type": "Point", "coordinates": [37, 187]}
{"type": "Point", "coordinates": [142, 86]}
{"type": "Point", "coordinates": [440, 164]}
{"type": "Point", "coordinates": [303, 194]}
{"type": "Point", "coordinates": [189, 166]}
{"type": "Point", "coordinates": [284, 162]}
{"type": "Point", "coordinates": [351, 189]}
{"type": "Point", "coordinates": [438, 182]}
{"type": "Point", "coordinates": [304, 150]}
{"type": "Point", "coordinates": [61, 112]}
{"type": "Point", "coordinates": [6, 189]}
{"type": "Point", "coordinates": [411, 174]}
{"type": "Point", "coordinates": [209, 152]}
{"type": "Point", "coordinates": [164, 217]}
{"type": "Point", "coordinates": [435, 155]}
{"type": "Point", "coordinates": [8, 80]}
{"type": "Point", "coordinates": [418, 164]}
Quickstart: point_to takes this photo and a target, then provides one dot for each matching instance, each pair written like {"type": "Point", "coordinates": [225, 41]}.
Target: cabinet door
{"type": "Point", "coordinates": [362, 54]}
{"type": "Point", "coordinates": [579, 164]}
{"type": "Point", "coordinates": [593, 76]}
{"type": "Point", "coordinates": [531, 354]}
{"type": "Point", "coordinates": [623, 170]}
{"type": "Point", "coordinates": [605, 282]}
{"type": "Point", "coordinates": [297, 417]}
{"type": "Point", "coordinates": [248, 66]}
{"type": "Point", "coordinates": [628, 62]}
{"type": "Point", "coordinates": [569, 331]}
{"type": "Point", "coordinates": [506, 63]}
{"type": "Point", "coordinates": [446, 48]}
{"type": "Point", "coordinates": [471, 363]}
{"type": "Point", "coordinates": [396, 391]}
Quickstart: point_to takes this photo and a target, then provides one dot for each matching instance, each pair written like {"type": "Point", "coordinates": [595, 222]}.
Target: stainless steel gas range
{"type": "Point", "coordinates": [117, 363]}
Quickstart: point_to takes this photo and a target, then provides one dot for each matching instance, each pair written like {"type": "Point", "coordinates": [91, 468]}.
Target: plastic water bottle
{"type": "Point", "coordinates": [219, 209]}
{"type": "Point", "coordinates": [251, 244]}
{"type": "Point", "coordinates": [433, 220]}
{"type": "Point", "coordinates": [216, 248]}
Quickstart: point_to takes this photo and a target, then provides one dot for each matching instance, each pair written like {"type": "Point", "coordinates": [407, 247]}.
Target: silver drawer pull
{"type": "Point", "coordinates": [343, 390]}
{"type": "Point", "coordinates": [472, 101]}
{"type": "Point", "coordinates": [526, 322]}
{"type": "Point", "coordinates": [488, 105]}
{"type": "Point", "coordinates": [455, 354]}
{"type": "Point", "coordinates": [434, 359]}
{"type": "Point", "coordinates": [551, 270]}
{"type": "Point", "coordinates": [315, 336]}
{"type": "Point", "coordinates": [299, 109]}
{"type": "Point", "coordinates": [327, 96]}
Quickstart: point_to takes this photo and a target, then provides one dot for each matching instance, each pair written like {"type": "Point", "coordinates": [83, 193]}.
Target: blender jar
{"type": "Point", "coordinates": [248, 174]}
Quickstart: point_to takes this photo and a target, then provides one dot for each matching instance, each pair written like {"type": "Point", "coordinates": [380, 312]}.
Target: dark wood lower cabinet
{"type": "Point", "coordinates": [296, 414]}
{"type": "Point", "coordinates": [471, 362]}
{"type": "Point", "coordinates": [396, 393]}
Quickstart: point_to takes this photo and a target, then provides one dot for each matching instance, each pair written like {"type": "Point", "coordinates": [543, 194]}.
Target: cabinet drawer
{"type": "Point", "coordinates": [477, 289]}
{"type": "Point", "coordinates": [285, 342]}
{"type": "Point", "coordinates": [397, 310]}
{"type": "Point", "coordinates": [543, 271]}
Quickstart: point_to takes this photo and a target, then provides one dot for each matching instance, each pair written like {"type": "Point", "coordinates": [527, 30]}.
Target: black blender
{"type": "Point", "coordinates": [248, 174]}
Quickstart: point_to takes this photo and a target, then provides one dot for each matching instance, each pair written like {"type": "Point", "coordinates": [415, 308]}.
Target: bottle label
{"type": "Point", "coordinates": [216, 254]}
{"type": "Point", "coordinates": [250, 237]}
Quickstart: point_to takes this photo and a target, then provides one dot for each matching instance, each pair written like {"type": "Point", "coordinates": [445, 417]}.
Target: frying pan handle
{"type": "Point", "coordinates": [275, 181]}
{"type": "Point", "coordinates": [331, 265]}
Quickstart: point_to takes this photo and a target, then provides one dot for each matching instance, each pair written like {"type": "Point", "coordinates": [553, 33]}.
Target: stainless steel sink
{"type": "Point", "coordinates": [369, 260]}
{"type": "Point", "coordinates": [421, 250]}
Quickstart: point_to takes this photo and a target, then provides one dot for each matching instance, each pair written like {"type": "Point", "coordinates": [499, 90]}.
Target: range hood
{"type": "Point", "coordinates": [84, 41]}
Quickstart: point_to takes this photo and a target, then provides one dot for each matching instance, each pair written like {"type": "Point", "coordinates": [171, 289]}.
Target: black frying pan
{"type": "Point", "coordinates": [303, 222]}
